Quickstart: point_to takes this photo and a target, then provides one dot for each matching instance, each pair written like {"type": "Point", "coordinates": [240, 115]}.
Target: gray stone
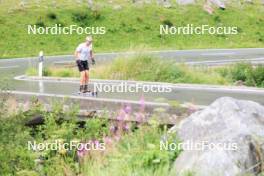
{"type": "Point", "coordinates": [236, 125]}
{"type": "Point", "coordinates": [249, 1]}
{"type": "Point", "coordinates": [90, 3]}
{"type": "Point", "coordinates": [117, 7]}
{"type": "Point", "coordinates": [164, 3]}
{"type": "Point", "coordinates": [185, 2]}
{"type": "Point", "coordinates": [167, 4]}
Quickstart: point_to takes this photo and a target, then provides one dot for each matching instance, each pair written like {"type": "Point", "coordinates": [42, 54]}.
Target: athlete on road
{"type": "Point", "coordinates": [82, 53]}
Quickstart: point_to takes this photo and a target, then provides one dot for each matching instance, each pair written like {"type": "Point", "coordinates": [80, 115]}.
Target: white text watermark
{"type": "Point", "coordinates": [198, 146]}
{"type": "Point", "coordinates": [58, 29]}
{"type": "Point", "coordinates": [124, 87]}
{"type": "Point", "coordinates": [191, 29]}
{"type": "Point", "coordinates": [58, 145]}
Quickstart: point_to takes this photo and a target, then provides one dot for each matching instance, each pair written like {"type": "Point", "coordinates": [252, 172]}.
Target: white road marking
{"type": "Point", "coordinates": [14, 66]}
{"type": "Point", "coordinates": [218, 54]}
{"type": "Point", "coordinates": [227, 61]}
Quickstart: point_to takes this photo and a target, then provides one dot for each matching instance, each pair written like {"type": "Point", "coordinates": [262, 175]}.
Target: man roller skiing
{"type": "Point", "coordinates": [82, 53]}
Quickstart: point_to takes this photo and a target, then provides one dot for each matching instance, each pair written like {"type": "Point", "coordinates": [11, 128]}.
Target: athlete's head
{"type": "Point", "coordinates": [89, 40]}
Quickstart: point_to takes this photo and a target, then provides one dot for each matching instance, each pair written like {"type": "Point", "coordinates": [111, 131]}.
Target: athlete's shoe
{"type": "Point", "coordinates": [85, 89]}
{"type": "Point", "coordinates": [81, 89]}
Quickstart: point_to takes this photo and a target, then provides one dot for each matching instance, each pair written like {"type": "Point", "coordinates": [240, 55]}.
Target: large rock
{"type": "Point", "coordinates": [236, 125]}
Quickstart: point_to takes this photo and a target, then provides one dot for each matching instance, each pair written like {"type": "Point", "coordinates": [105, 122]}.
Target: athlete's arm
{"type": "Point", "coordinates": [92, 57]}
{"type": "Point", "coordinates": [77, 54]}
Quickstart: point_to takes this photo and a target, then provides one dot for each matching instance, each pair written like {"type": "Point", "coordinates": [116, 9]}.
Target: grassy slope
{"type": "Point", "coordinates": [158, 70]}
{"type": "Point", "coordinates": [131, 27]}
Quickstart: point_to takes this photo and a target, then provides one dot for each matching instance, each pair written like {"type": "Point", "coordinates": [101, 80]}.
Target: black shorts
{"type": "Point", "coordinates": [82, 65]}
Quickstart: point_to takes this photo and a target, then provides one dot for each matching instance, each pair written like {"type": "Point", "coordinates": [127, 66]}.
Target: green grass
{"type": "Point", "coordinates": [147, 68]}
{"type": "Point", "coordinates": [246, 73]}
{"type": "Point", "coordinates": [132, 150]}
{"type": "Point", "coordinates": [130, 28]}
{"type": "Point", "coordinates": [137, 154]}
{"type": "Point", "coordinates": [141, 68]}
{"type": "Point", "coordinates": [54, 72]}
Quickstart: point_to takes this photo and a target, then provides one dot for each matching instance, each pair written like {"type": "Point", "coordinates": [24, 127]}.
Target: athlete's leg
{"type": "Point", "coordinates": [86, 81]}
{"type": "Point", "coordinates": [82, 74]}
{"type": "Point", "coordinates": [82, 81]}
{"type": "Point", "coordinates": [86, 77]}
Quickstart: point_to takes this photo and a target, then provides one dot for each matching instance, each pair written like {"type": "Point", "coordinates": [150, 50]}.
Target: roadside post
{"type": "Point", "coordinates": [40, 65]}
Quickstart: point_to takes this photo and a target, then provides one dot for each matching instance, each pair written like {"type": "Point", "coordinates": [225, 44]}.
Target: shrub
{"type": "Point", "coordinates": [96, 14]}
{"type": "Point", "coordinates": [14, 155]}
{"type": "Point", "coordinates": [167, 23]}
{"type": "Point", "coordinates": [130, 29]}
{"type": "Point", "coordinates": [258, 75]}
{"type": "Point", "coordinates": [241, 71]}
{"type": "Point", "coordinates": [40, 23]}
{"type": "Point", "coordinates": [137, 153]}
{"type": "Point", "coordinates": [246, 72]}
{"type": "Point", "coordinates": [217, 19]}
{"type": "Point", "coordinates": [52, 16]}
{"type": "Point", "coordinates": [80, 17]}
{"type": "Point", "coordinates": [139, 19]}
{"type": "Point", "coordinates": [46, 72]}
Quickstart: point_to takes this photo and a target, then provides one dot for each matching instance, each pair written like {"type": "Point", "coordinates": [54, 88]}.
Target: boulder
{"type": "Point", "coordinates": [228, 137]}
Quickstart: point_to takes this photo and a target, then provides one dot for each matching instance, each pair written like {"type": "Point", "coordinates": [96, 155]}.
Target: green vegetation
{"type": "Point", "coordinates": [137, 154]}
{"type": "Point", "coordinates": [130, 148]}
{"type": "Point", "coordinates": [124, 31]}
{"type": "Point", "coordinates": [249, 75]}
{"type": "Point", "coordinates": [146, 68]}
{"type": "Point", "coordinates": [54, 71]}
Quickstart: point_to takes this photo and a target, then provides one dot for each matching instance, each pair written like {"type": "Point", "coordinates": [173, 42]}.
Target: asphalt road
{"type": "Point", "coordinates": [201, 95]}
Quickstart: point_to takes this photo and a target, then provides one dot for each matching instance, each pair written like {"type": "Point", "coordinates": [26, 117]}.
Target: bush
{"type": "Point", "coordinates": [167, 23]}
{"type": "Point", "coordinates": [258, 75]}
{"type": "Point", "coordinates": [137, 153]}
{"type": "Point", "coordinates": [131, 147]}
{"type": "Point", "coordinates": [96, 14]}
{"type": "Point", "coordinates": [241, 71]}
{"type": "Point", "coordinates": [81, 18]}
{"type": "Point", "coordinates": [14, 155]}
{"type": "Point", "coordinates": [52, 16]}
{"type": "Point", "coordinates": [40, 23]}
{"type": "Point", "coordinates": [246, 72]}
{"type": "Point", "coordinates": [46, 72]}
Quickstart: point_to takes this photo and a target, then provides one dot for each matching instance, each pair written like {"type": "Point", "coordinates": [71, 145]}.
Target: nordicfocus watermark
{"type": "Point", "coordinates": [72, 145]}
{"type": "Point", "coordinates": [191, 29]}
{"type": "Point", "coordinates": [58, 29]}
{"type": "Point", "coordinates": [198, 146]}
{"type": "Point", "coordinates": [124, 87]}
